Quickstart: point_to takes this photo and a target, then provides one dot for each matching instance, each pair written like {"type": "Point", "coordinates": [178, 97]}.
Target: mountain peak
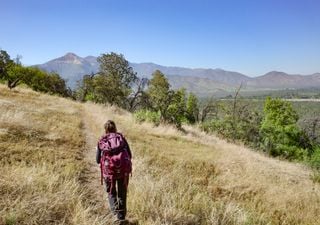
{"type": "Point", "coordinates": [276, 74]}
{"type": "Point", "coordinates": [71, 56]}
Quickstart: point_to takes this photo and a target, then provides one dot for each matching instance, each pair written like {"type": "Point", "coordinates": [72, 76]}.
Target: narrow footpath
{"type": "Point", "coordinates": [97, 194]}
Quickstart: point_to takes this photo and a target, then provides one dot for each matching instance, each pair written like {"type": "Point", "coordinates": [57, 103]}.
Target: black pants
{"type": "Point", "coordinates": [117, 196]}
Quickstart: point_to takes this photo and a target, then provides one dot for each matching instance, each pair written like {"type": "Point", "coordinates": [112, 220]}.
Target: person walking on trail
{"type": "Point", "coordinates": [114, 156]}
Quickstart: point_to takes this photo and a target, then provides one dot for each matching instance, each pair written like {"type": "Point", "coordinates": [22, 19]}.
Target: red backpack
{"type": "Point", "coordinates": [115, 161]}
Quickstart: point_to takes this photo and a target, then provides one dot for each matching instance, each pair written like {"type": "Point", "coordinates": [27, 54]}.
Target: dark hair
{"type": "Point", "coordinates": [110, 127]}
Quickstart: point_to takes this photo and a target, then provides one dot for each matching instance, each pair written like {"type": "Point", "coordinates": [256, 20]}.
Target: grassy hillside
{"type": "Point", "coordinates": [178, 178]}
{"type": "Point", "coordinates": [42, 167]}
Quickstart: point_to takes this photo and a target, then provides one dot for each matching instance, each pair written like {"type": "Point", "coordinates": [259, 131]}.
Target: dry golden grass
{"type": "Point", "coordinates": [178, 178]}
{"type": "Point", "coordinates": [41, 155]}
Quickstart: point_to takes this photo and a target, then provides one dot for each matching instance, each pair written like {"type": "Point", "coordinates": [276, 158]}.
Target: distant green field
{"type": "Point", "coordinates": [305, 109]}
{"type": "Point", "coordinates": [263, 93]}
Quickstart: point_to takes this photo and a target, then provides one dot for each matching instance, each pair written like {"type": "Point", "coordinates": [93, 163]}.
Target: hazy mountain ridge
{"type": "Point", "coordinates": [198, 80]}
{"type": "Point", "coordinates": [72, 67]}
{"type": "Point", "coordinates": [228, 77]}
{"type": "Point", "coordinates": [275, 79]}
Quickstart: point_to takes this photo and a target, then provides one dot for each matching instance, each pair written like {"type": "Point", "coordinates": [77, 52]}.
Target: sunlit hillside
{"type": "Point", "coordinates": [48, 173]}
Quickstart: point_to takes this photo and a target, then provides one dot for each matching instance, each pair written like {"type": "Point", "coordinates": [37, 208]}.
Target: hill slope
{"type": "Point", "coordinates": [178, 178]}
{"type": "Point", "coordinates": [280, 80]}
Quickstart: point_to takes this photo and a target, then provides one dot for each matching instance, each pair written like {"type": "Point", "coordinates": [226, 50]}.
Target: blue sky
{"type": "Point", "coordinates": [249, 36]}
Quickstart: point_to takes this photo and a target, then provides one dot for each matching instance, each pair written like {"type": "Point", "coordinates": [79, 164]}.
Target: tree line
{"type": "Point", "coordinates": [13, 73]}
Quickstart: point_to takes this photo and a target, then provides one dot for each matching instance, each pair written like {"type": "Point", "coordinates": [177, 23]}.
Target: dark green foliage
{"type": "Point", "coordinates": [159, 93]}
{"type": "Point", "coordinates": [42, 81]}
{"type": "Point", "coordinates": [173, 106]}
{"type": "Point", "coordinates": [176, 112]}
{"type": "Point", "coordinates": [5, 63]}
{"type": "Point", "coordinates": [114, 80]}
{"type": "Point", "coordinates": [56, 85]}
{"type": "Point", "coordinates": [9, 70]}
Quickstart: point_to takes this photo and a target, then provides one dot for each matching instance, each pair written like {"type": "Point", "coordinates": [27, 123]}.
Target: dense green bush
{"type": "Point", "coordinates": [280, 133]}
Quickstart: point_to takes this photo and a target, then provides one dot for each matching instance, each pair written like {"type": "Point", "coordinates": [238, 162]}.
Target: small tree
{"type": "Point", "coordinates": [177, 108]}
{"type": "Point", "coordinates": [159, 93]}
{"type": "Point", "coordinates": [9, 70]}
{"type": "Point", "coordinates": [113, 83]}
{"type": "Point", "coordinates": [56, 85]}
{"type": "Point", "coordinates": [279, 131]}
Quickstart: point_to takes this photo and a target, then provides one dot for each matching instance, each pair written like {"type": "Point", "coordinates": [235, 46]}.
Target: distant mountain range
{"type": "Point", "coordinates": [203, 82]}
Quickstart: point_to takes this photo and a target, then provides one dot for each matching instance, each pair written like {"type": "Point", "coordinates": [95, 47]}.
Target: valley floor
{"type": "Point", "coordinates": [178, 178]}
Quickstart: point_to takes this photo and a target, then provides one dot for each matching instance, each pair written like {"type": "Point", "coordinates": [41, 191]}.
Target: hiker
{"type": "Point", "coordinates": [114, 157]}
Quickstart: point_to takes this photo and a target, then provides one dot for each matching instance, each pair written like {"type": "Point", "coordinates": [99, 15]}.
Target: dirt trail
{"type": "Point", "coordinates": [92, 130]}
{"type": "Point", "coordinates": [90, 158]}
{"type": "Point", "coordinates": [92, 176]}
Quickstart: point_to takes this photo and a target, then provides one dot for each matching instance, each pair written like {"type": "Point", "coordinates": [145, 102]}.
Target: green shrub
{"type": "Point", "coordinates": [147, 116]}
{"type": "Point", "coordinates": [315, 159]}
{"type": "Point", "coordinates": [280, 133]}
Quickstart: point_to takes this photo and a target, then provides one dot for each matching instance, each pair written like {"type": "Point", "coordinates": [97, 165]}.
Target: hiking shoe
{"type": "Point", "coordinates": [117, 221]}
